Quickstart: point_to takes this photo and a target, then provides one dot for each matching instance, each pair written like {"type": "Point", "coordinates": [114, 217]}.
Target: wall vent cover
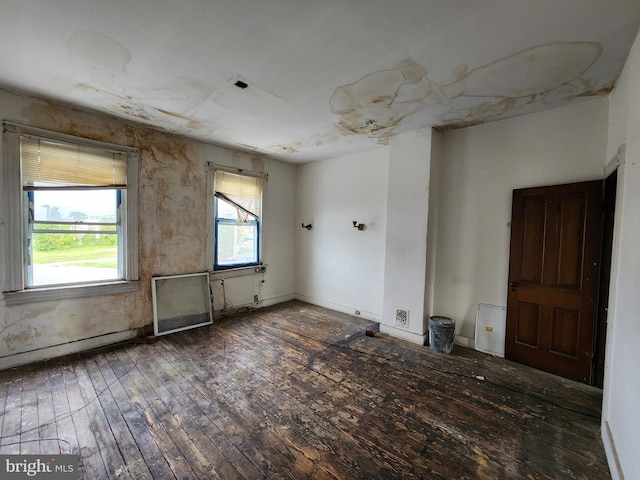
{"type": "Point", "coordinates": [402, 317]}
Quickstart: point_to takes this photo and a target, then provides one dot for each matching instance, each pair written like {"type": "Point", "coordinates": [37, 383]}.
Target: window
{"type": "Point", "coordinates": [70, 209]}
{"type": "Point", "coordinates": [237, 228]}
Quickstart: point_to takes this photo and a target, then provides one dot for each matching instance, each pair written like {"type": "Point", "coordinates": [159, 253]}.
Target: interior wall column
{"type": "Point", "coordinates": [405, 273]}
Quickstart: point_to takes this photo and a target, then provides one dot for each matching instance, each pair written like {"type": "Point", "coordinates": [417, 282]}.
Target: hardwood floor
{"type": "Point", "coordinates": [297, 391]}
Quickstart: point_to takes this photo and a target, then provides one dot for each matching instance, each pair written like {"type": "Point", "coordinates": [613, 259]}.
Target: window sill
{"type": "Point", "coordinates": [75, 291]}
{"type": "Point", "coordinates": [237, 272]}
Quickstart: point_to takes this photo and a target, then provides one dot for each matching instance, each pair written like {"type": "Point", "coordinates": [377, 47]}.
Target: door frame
{"type": "Point", "coordinates": [604, 278]}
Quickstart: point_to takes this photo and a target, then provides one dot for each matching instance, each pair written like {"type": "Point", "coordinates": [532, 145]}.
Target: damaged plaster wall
{"type": "Point", "coordinates": [172, 228]}
{"type": "Point", "coordinates": [480, 167]}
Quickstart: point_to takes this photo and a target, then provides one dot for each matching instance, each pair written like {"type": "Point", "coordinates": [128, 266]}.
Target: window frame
{"type": "Point", "coordinates": [32, 230]}
{"type": "Point", "coordinates": [16, 286]}
{"type": "Point", "coordinates": [214, 221]}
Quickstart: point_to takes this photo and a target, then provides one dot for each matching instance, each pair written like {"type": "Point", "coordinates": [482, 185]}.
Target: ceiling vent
{"type": "Point", "coordinates": [254, 102]}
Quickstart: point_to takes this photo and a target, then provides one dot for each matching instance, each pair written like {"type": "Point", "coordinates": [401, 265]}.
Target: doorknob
{"type": "Point", "coordinates": [513, 286]}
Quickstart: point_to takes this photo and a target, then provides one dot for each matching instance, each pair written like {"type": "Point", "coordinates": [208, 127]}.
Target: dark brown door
{"type": "Point", "coordinates": [553, 267]}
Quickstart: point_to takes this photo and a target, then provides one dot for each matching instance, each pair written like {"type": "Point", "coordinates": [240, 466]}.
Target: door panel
{"type": "Point", "coordinates": [569, 265]}
{"type": "Point", "coordinates": [528, 331]}
{"type": "Point", "coordinates": [533, 235]}
{"type": "Point", "coordinates": [555, 241]}
{"type": "Point", "coordinates": [564, 332]}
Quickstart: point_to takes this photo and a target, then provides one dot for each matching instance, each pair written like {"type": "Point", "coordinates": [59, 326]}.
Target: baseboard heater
{"type": "Point", "coordinates": [181, 302]}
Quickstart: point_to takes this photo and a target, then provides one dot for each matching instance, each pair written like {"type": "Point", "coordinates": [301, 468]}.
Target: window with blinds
{"type": "Point", "coordinates": [47, 163]}
{"type": "Point", "coordinates": [238, 204]}
{"type": "Point", "coordinates": [73, 199]}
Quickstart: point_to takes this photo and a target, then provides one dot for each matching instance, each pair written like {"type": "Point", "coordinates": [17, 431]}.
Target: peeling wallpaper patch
{"type": "Point", "coordinates": [172, 228]}
{"type": "Point", "coordinates": [19, 340]}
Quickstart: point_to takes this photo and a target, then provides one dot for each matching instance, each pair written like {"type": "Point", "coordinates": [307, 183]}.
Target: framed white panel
{"type": "Point", "coordinates": [491, 325]}
{"type": "Point", "coordinates": [181, 302]}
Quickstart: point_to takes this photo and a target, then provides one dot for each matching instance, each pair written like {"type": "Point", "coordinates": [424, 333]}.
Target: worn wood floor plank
{"type": "Point", "coordinates": [29, 430]}
{"type": "Point", "coordinates": [12, 424]}
{"type": "Point", "coordinates": [104, 380]}
{"type": "Point", "coordinates": [88, 447]}
{"type": "Point", "coordinates": [480, 411]}
{"type": "Point", "coordinates": [194, 444]}
{"type": "Point", "coordinates": [248, 388]}
{"type": "Point", "coordinates": [156, 418]}
{"type": "Point", "coordinates": [248, 428]}
{"type": "Point", "coordinates": [332, 381]}
{"type": "Point", "coordinates": [296, 391]}
{"type": "Point", "coordinates": [119, 375]}
{"type": "Point", "coordinates": [228, 461]}
{"type": "Point", "coordinates": [291, 407]}
{"type": "Point", "coordinates": [4, 387]}
{"type": "Point", "coordinates": [67, 440]}
{"type": "Point", "coordinates": [47, 430]}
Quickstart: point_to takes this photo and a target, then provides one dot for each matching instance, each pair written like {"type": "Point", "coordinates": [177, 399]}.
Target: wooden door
{"type": "Point", "coordinates": [553, 269]}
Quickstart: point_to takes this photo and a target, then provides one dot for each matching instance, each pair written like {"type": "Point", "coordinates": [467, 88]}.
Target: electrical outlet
{"type": "Point", "coordinates": [357, 312]}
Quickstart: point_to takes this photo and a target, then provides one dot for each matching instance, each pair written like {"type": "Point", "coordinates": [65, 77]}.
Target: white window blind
{"type": "Point", "coordinates": [49, 163]}
{"type": "Point", "coordinates": [245, 192]}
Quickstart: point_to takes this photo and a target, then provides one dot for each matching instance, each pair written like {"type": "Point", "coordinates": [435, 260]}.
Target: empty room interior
{"type": "Point", "coordinates": [233, 233]}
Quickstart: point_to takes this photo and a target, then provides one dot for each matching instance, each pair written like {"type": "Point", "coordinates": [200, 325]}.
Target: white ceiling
{"type": "Point", "coordinates": [325, 78]}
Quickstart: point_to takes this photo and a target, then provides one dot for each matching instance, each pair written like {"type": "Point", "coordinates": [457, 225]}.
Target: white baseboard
{"type": "Point", "coordinates": [465, 341]}
{"type": "Point", "coordinates": [610, 450]}
{"type": "Point", "coordinates": [275, 300]}
{"type": "Point", "coordinates": [412, 337]}
{"type": "Point", "coordinates": [47, 353]}
{"type": "Point", "coordinates": [217, 314]}
{"type": "Point", "coordinates": [376, 317]}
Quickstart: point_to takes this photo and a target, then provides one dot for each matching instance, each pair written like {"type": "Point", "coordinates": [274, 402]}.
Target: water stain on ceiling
{"type": "Point", "coordinates": [376, 104]}
{"type": "Point", "coordinates": [103, 69]}
{"type": "Point", "coordinates": [322, 80]}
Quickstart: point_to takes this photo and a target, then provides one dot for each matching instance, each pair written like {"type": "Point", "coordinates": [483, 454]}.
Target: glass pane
{"type": "Point", "coordinates": [73, 257]}
{"type": "Point", "coordinates": [88, 206]}
{"type": "Point", "coordinates": [80, 228]}
{"type": "Point", "coordinates": [237, 245]}
{"type": "Point", "coordinates": [226, 210]}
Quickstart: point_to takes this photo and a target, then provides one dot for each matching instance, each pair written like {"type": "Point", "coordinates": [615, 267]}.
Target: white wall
{"type": "Point", "coordinates": [405, 268]}
{"type": "Point", "coordinates": [337, 265]}
{"type": "Point", "coordinates": [432, 224]}
{"type": "Point", "coordinates": [620, 415]}
{"type": "Point", "coordinates": [172, 231]}
{"type": "Point", "coordinates": [480, 166]}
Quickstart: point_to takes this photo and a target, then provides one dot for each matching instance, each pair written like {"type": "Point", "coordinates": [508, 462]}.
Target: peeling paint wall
{"type": "Point", "coordinates": [172, 229]}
